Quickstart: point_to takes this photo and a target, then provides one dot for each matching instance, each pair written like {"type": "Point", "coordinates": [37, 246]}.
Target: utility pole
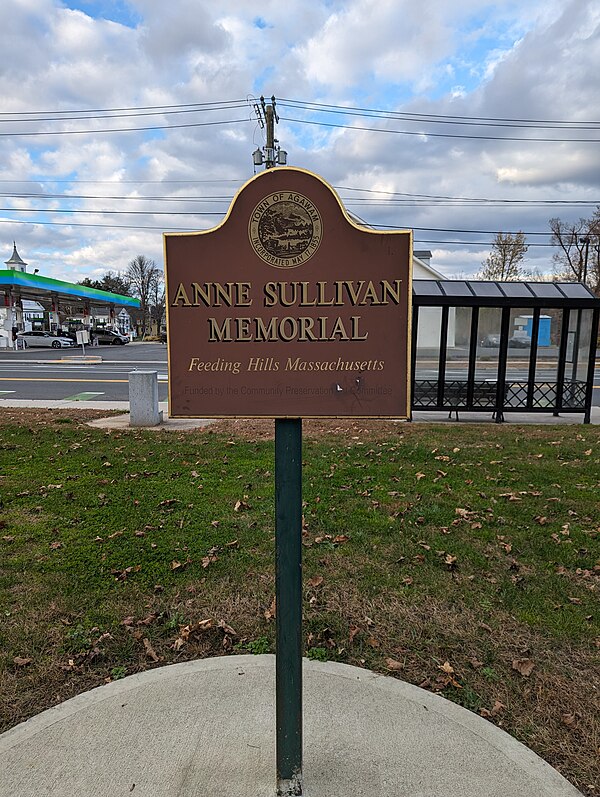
{"type": "Point", "coordinates": [585, 241]}
{"type": "Point", "coordinates": [271, 155]}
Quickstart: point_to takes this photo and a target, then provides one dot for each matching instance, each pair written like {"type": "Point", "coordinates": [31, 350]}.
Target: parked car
{"type": "Point", "coordinates": [517, 342]}
{"type": "Point", "coordinates": [41, 338]}
{"type": "Point", "coordinates": [109, 337]}
{"type": "Point", "coordinates": [490, 341]}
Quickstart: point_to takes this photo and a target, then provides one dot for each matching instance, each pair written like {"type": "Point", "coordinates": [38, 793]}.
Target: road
{"type": "Point", "coordinates": [56, 374]}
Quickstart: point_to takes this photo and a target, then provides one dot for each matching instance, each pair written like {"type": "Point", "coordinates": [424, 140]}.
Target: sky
{"type": "Point", "coordinates": [122, 119]}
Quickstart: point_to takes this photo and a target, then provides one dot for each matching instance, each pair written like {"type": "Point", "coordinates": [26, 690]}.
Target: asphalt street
{"type": "Point", "coordinates": [58, 374]}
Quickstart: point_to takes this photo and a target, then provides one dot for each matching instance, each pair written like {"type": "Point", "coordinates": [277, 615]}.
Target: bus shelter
{"type": "Point", "coordinates": [503, 347]}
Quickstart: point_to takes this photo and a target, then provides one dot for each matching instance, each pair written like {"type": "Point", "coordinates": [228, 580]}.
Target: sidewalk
{"type": "Point", "coordinates": [207, 729]}
{"type": "Point", "coordinates": [420, 416]}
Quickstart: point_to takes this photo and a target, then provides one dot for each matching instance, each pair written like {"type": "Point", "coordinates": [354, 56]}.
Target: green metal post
{"type": "Point", "coordinates": [288, 555]}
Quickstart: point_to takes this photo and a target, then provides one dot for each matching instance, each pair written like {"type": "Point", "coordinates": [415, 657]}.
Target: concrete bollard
{"type": "Point", "coordinates": [143, 399]}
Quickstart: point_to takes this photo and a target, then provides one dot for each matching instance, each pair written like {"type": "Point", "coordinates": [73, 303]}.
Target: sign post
{"type": "Point", "coordinates": [288, 310]}
{"type": "Point", "coordinates": [288, 602]}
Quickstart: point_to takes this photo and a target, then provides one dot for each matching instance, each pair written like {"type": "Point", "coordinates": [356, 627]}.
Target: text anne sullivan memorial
{"type": "Point", "coordinates": [332, 341]}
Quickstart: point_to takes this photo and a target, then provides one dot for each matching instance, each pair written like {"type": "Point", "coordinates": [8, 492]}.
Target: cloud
{"type": "Point", "coordinates": [469, 58]}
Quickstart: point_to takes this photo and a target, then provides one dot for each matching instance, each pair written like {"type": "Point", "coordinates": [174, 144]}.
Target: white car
{"type": "Point", "coordinates": [40, 338]}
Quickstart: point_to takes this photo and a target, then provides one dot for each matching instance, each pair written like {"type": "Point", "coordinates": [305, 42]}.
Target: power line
{"type": "Point", "coordinates": [307, 105]}
{"type": "Point", "coordinates": [105, 226]}
{"type": "Point", "coordinates": [469, 199]}
{"type": "Point", "coordinates": [191, 229]}
{"type": "Point", "coordinates": [442, 135]}
{"type": "Point", "coordinates": [122, 182]}
{"type": "Point", "coordinates": [391, 199]}
{"type": "Point", "coordinates": [193, 105]}
{"type": "Point", "coordinates": [122, 129]}
{"type": "Point", "coordinates": [484, 244]}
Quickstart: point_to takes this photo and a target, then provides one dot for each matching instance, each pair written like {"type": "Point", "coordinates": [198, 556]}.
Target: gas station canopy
{"type": "Point", "coordinates": [36, 288]}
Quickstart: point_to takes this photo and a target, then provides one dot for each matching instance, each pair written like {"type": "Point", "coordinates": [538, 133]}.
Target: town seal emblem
{"type": "Point", "coordinates": [285, 229]}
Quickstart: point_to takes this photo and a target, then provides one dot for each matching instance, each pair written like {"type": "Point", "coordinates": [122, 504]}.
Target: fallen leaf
{"type": "Point", "coordinates": [496, 709]}
{"type": "Point", "coordinates": [340, 538]}
{"type": "Point", "coordinates": [149, 619]}
{"type": "Point", "coordinates": [523, 666]}
{"type": "Point", "coordinates": [570, 720]}
{"type": "Point", "coordinates": [315, 582]}
{"type": "Point", "coordinates": [21, 662]}
{"type": "Point", "coordinates": [393, 665]}
{"type": "Point", "coordinates": [354, 629]}
{"type": "Point", "coordinates": [447, 668]}
{"type": "Point", "coordinates": [271, 612]}
{"type": "Point", "coordinates": [419, 476]}
{"type": "Point", "coordinates": [150, 652]}
{"type": "Point", "coordinates": [226, 629]}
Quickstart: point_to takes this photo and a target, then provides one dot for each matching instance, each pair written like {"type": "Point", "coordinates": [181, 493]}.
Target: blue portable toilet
{"type": "Point", "coordinates": [543, 330]}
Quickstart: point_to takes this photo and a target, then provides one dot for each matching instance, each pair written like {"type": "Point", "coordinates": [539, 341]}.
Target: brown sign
{"type": "Point", "coordinates": [288, 309]}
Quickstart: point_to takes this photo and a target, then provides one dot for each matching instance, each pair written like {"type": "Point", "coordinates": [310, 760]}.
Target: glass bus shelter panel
{"type": "Point", "coordinates": [458, 343]}
{"type": "Point", "coordinates": [488, 349]}
{"type": "Point", "coordinates": [520, 338]}
{"type": "Point", "coordinates": [579, 340]}
{"type": "Point", "coordinates": [545, 390]}
{"type": "Point", "coordinates": [427, 357]}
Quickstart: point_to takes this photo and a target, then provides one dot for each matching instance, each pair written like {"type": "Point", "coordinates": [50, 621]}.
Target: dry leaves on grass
{"type": "Point", "coordinates": [524, 666]}
{"type": "Point", "coordinates": [271, 612]}
{"type": "Point", "coordinates": [496, 709]}
{"type": "Point", "coordinates": [150, 652]}
{"type": "Point", "coordinates": [393, 665]}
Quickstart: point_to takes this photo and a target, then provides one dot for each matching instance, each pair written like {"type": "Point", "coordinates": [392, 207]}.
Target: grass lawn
{"type": "Point", "coordinates": [462, 558]}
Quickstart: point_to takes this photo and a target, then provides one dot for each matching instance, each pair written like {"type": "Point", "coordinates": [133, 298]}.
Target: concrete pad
{"type": "Point", "coordinates": [510, 418]}
{"type": "Point", "coordinates": [207, 728]}
{"type": "Point", "coordinates": [166, 424]}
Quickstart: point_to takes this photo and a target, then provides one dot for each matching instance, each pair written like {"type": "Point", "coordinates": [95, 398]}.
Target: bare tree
{"type": "Point", "coordinates": [570, 239]}
{"type": "Point", "coordinates": [504, 261]}
{"type": "Point", "coordinates": [578, 258]}
{"type": "Point", "coordinates": [142, 274]}
{"type": "Point", "coordinates": [157, 301]}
